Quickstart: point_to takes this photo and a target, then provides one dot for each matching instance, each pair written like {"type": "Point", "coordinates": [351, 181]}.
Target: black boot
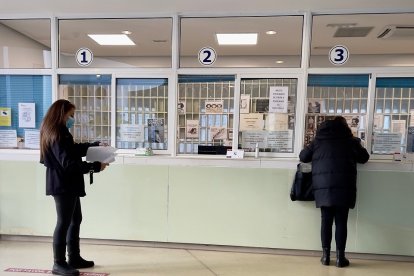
{"type": "Point", "coordinates": [60, 267]}
{"type": "Point", "coordinates": [341, 261]}
{"type": "Point", "coordinates": [79, 262]}
{"type": "Point", "coordinates": [326, 256]}
{"type": "Point", "coordinates": [75, 259]}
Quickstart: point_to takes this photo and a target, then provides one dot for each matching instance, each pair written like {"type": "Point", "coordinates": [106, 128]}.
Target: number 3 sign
{"type": "Point", "coordinates": [84, 56]}
{"type": "Point", "coordinates": [338, 55]}
{"type": "Point", "coordinates": [207, 56]}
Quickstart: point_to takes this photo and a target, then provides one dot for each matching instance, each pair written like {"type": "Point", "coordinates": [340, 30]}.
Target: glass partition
{"type": "Point", "coordinates": [273, 41]}
{"type": "Point", "coordinates": [142, 113]}
{"type": "Point", "coordinates": [370, 40]}
{"type": "Point", "coordinates": [25, 43]}
{"type": "Point", "coordinates": [91, 94]}
{"type": "Point", "coordinates": [112, 43]}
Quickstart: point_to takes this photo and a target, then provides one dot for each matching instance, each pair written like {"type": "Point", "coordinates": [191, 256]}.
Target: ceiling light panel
{"type": "Point", "coordinates": [237, 39]}
{"type": "Point", "coordinates": [111, 39]}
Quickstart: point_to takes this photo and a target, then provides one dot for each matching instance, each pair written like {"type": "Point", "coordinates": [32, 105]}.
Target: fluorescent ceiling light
{"type": "Point", "coordinates": [111, 39]}
{"type": "Point", "coordinates": [237, 39]}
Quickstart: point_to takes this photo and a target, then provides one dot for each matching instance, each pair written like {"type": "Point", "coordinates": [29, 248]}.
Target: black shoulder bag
{"type": "Point", "coordinates": [302, 186]}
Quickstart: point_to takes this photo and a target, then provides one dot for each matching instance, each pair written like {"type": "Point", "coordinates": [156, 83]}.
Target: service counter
{"type": "Point", "coordinates": [211, 200]}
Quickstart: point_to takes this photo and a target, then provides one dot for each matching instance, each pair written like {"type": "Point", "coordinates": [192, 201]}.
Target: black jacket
{"type": "Point", "coordinates": [334, 155]}
{"type": "Point", "coordinates": [65, 168]}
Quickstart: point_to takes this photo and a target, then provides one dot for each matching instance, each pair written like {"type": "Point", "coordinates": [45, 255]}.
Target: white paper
{"type": "Point", "coordinates": [278, 99]}
{"type": "Point", "coordinates": [236, 154]}
{"type": "Point", "coordinates": [276, 121]}
{"type": "Point", "coordinates": [27, 115]}
{"type": "Point", "coordinates": [132, 133]}
{"type": "Point", "coordinates": [386, 142]}
{"type": "Point", "coordinates": [32, 138]}
{"type": "Point", "coordinates": [192, 129]}
{"type": "Point", "coordinates": [398, 126]}
{"type": "Point", "coordinates": [244, 103]}
{"type": "Point", "coordinates": [378, 121]}
{"type": "Point", "coordinates": [214, 107]}
{"type": "Point", "coordinates": [251, 121]}
{"type": "Point", "coordinates": [8, 139]}
{"type": "Point", "coordinates": [101, 154]}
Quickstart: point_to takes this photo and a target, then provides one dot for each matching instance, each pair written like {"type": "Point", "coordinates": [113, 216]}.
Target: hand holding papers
{"type": "Point", "coordinates": [101, 154]}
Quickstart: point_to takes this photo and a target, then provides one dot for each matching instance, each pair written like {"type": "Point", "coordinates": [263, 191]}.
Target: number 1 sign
{"type": "Point", "coordinates": [84, 56]}
{"type": "Point", "coordinates": [207, 56]}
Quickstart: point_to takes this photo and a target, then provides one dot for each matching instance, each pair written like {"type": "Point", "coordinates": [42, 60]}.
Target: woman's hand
{"type": "Point", "coordinates": [104, 165]}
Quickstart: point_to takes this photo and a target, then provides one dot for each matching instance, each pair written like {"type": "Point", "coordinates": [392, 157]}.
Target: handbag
{"type": "Point", "coordinates": [302, 186]}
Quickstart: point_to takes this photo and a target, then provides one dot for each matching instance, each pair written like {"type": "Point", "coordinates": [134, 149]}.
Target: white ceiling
{"type": "Point", "coordinates": [59, 7]}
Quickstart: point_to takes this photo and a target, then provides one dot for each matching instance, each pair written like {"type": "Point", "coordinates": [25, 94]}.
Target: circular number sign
{"type": "Point", "coordinates": [207, 56]}
{"type": "Point", "coordinates": [84, 56]}
{"type": "Point", "coordinates": [338, 55]}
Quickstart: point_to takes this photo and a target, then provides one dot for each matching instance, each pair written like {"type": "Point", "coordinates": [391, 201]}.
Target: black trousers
{"type": "Point", "coordinates": [69, 218]}
{"type": "Point", "coordinates": [340, 215]}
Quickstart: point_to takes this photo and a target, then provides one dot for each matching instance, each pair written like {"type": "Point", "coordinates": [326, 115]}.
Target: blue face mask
{"type": "Point", "coordinates": [70, 122]}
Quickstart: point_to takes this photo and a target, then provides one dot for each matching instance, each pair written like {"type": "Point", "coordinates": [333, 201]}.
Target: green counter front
{"type": "Point", "coordinates": [233, 205]}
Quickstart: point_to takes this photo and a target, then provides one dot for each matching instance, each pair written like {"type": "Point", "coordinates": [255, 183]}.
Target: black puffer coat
{"type": "Point", "coordinates": [65, 168]}
{"type": "Point", "coordinates": [334, 155]}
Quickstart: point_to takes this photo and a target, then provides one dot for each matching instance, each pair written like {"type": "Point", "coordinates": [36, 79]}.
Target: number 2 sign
{"type": "Point", "coordinates": [207, 56]}
{"type": "Point", "coordinates": [84, 56]}
{"type": "Point", "coordinates": [338, 55]}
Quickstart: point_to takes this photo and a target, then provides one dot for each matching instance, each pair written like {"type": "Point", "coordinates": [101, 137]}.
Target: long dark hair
{"type": "Point", "coordinates": [53, 121]}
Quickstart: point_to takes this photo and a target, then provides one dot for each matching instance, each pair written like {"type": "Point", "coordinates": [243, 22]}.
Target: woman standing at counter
{"type": "Point", "coordinates": [334, 155]}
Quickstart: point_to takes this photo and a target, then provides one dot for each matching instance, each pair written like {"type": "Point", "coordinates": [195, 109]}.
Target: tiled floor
{"type": "Point", "coordinates": [136, 260]}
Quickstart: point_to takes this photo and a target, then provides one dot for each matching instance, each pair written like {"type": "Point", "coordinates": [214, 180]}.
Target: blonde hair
{"type": "Point", "coordinates": [53, 121]}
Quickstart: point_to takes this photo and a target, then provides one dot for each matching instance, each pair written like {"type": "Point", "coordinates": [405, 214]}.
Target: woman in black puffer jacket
{"type": "Point", "coordinates": [334, 155]}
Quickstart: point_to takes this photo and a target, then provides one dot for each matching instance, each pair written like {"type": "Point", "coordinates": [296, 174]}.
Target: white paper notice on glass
{"type": "Point", "coordinates": [8, 138]}
{"type": "Point", "coordinates": [278, 99]}
{"type": "Point", "coordinates": [276, 121]}
{"type": "Point", "coordinates": [251, 121]}
{"type": "Point", "coordinates": [132, 133]}
{"type": "Point", "coordinates": [244, 103]}
{"type": "Point", "coordinates": [32, 138]}
{"type": "Point", "coordinates": [386, 142]}
{"type": "Point", "coordinates": [398, 126]}
{"type": "Point", "coordinates": [27, 115]}
{"type": "Point", "coordinates": [101, 154]}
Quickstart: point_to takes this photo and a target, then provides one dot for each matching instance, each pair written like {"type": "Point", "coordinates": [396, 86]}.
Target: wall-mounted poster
{"type": "Point", "coordinates": [27, 115]}
{"type": "Point", "coordinates": [244, 103]}
{"type": "Point", "coordinates": [5, 116]}
{"type": "Point", "coordinates": [251, 121]}
{"type": "Point", "coordinates": [278, 99]}
{"type": "Point", "coordinates": [155, 130]}
{"type": "Point", "coordinates": [214, 107]}
{"type": "Point", "coordinates": [192, 128]}
{"type": "Point", "coordinates": [131, 133]}
{"type": "Point", "coordinates": [316, 106]}
{"type": "Point", "coordinates": [276, 121]}
{"type": "Point", "coordinates": [181, 107]}
{"type": "Point", "coordinates": [218, 133]}
{"type": "Point", "coordinates": [262, 105]}
{"type": "Point", "coordinates": [8, 138]}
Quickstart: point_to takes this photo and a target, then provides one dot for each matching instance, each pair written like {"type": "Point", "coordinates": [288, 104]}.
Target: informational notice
{"type": "Point", "coordinates": [387, 143]}
{"type": "Point", "coordinates": [251, 121]}
{"type": "Point", "coordinates": [276, 121]}
{"type": "Point", "coordinates": [27, 115]}
{"type": "Point", "coordinates": [132, 133]}
{"type": "Point", "coordinates": [278, 99]}
{"type": "Point", "coordinates": [32, 138]}
{"type": "Point", "coordinates": [251, 138]}
{"type": "Point", "coordinates": [8, 138]}
{"type": "Point", "coordinates": [281, 141]}
{"type": "Point", "coordinates": [5, 116]}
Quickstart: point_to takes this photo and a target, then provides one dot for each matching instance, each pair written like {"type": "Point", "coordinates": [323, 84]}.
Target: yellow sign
{"type": "Point", "coordinates": [5, 116]}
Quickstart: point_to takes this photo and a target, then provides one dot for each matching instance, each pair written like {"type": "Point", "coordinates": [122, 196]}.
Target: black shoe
{"type": "Point", "coordinates": [341, 261]}
{"type": "Point", "coordinates": [79, 262]}
{"type": "Point", "coordinates": [63, 269]}
{"type": "Point", "coordinates": [326, 256]}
